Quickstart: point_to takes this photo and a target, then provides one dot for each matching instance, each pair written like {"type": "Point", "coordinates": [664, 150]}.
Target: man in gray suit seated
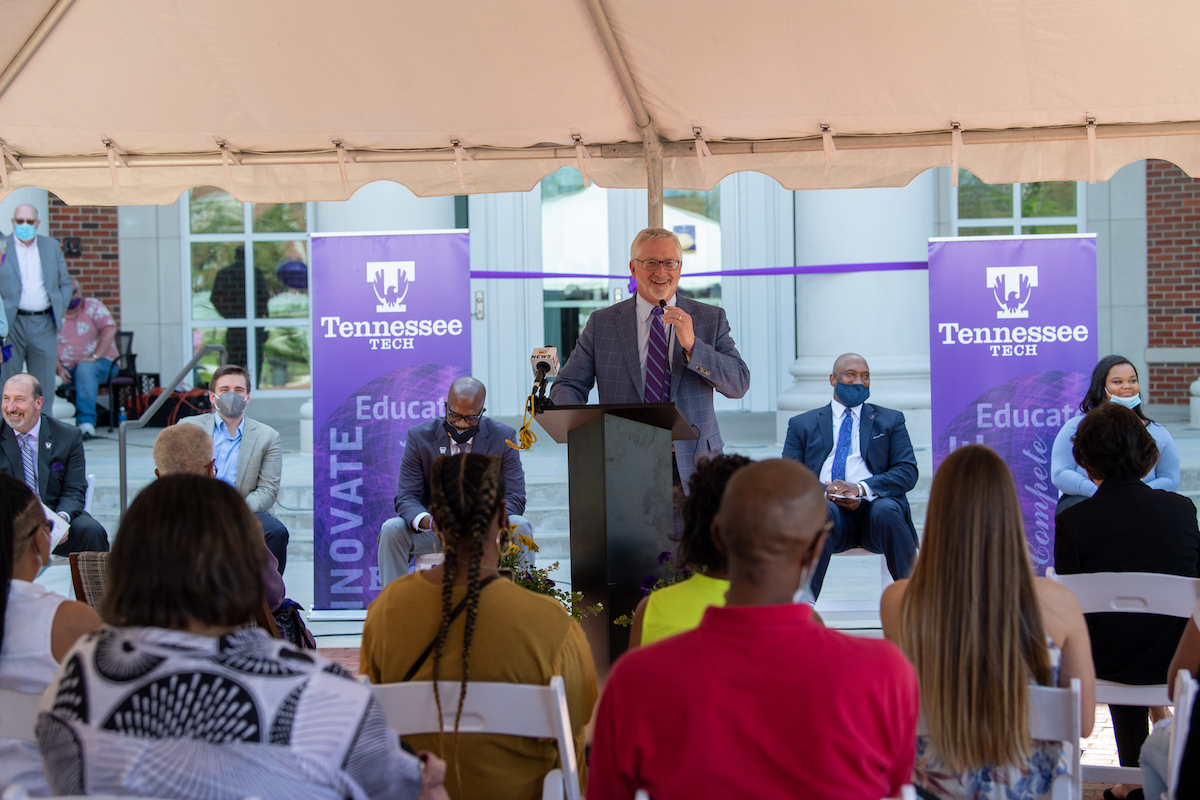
{"type": "Point", "coordinates": [248, 453]}
{"type": "Point", "coordinates": [463, 430]}
{"type": "Point", "coordinates": [36, 288]}
{"type": "Point", "coordinates": [623, 350]}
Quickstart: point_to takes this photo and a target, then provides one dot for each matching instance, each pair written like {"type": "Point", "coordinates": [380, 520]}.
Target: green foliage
{"type": "Point", "coordinates": [537, 579]}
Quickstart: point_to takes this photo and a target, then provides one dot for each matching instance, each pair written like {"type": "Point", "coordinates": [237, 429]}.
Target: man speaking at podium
{"type": "Point", "coordinates": [658, 347]}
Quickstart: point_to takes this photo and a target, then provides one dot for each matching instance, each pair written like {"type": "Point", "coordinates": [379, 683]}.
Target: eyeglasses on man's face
{"type": "Point", "coordinates": [19, 221]}
{"type": "Point", "coordinates": [470, 419]}
{"type": "Point", "coordinates": [652, 265]}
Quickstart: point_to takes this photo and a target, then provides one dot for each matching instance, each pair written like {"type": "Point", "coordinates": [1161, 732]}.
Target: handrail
{"type": "Point", "coordinates": [145, 418]}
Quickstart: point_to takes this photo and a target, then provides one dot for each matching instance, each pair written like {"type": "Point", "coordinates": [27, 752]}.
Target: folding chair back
{"type": "Point", "coordinates": [89, 575]}
{"type": "Point", "coordinates": [512, 709]}
{"type": "Point", "coordinates": [89, 493]}
{"type": "Point", "coordinates": [1054, 715]}
{"type": "Point", "coordinates": [1186, 688]}
{"type": "Point", "coordinates": [1129, 593]}
{"type": "Point", "coordinates": [18, 714]}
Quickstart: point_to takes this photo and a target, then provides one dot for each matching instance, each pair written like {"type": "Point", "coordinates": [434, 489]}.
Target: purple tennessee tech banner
{"type": "Point", "coordinates": [390, 333]}
{"type": "Point", "coordinates": [1012, 345]}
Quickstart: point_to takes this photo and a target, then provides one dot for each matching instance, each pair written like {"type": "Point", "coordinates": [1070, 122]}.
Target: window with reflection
{"type": "Point", "coordinates": [574, 242]}
{"type": "Point", "coordinates": [1005, 209]}
{"type": "Point", "coordinates": [229, 301]}
{"type": "Point", "coordinates": [695, 217]}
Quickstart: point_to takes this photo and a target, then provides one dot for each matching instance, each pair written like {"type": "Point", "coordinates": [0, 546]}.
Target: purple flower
{"type": "Point", "coordinates": [648, 584]}
{"type": "Point", "coordinates": [664, 557]}
{"type": "Point", "coordinates": [550, 584]}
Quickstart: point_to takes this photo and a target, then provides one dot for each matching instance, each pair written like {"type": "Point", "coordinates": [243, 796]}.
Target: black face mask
{"type": "Point", "coordinates": [461, 437]}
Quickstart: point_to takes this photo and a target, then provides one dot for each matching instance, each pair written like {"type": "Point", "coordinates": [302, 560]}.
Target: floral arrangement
{"type": "Point", "coordinates": [652, 583]}
{"type": "Point", "coordinates": [537, 579]}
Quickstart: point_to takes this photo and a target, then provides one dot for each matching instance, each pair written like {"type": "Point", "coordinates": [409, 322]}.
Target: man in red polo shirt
{"type": "Point", "coordinates": [760, 700]}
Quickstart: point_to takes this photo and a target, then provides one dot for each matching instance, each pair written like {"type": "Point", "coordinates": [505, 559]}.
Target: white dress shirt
{"type": "Point", "coordinates": [455, 449]}
{"type": "Point", "coordinates": [644, 311]}
{"type": "Point", "coordinates": [34, 296]}
{"type": "Point", "coordinates": [856, 467]}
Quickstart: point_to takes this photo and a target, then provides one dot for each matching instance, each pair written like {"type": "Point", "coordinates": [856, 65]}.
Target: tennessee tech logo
{"type": "Point", "coordinates": [1012, 287]}
{"type": "Point", "coordinates": [390, 280]}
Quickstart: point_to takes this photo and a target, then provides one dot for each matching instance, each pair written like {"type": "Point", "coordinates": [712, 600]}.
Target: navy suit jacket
{"type": "Point", "coordinates": [61, 469]}
{"type": "Point", "coordinates": [607, 355]}
{"type": "Point", "coordinates": [427, 441]}
{"type": "Point", "coordinates": [883, 442]}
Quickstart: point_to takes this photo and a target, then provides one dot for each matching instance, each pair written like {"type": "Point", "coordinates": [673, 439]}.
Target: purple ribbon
{"type": "Point", "coordinates": [816, 269]}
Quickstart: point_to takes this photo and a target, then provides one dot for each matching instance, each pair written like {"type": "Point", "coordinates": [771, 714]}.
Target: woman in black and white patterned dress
{"type": "Point", "coordinates": [177, 699]}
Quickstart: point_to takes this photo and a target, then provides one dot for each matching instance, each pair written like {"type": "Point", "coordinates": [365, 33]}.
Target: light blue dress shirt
{"type": "Point", "coordinates": [226, 448]}
{"type": "Point", "coordinates": [1071, 478]}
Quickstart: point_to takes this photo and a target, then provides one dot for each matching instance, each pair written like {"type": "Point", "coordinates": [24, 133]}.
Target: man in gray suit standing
{"type": "Point", "coordinates": [464, 429]}
{"type": "Point", "coordinates": [658, 347]}
{"type": "Point", "coordinates": [36, 288]}
{"type": "Point", "coordinates": [248, 454]}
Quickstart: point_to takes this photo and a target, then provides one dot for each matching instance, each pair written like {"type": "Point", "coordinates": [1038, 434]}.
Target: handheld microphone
{"type": "Point", "coordinates": [666, 362]}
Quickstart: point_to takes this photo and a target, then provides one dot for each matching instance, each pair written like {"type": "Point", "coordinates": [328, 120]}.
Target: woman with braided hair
{"type": "Point", "coordinates": [462, 622]}
{"type": "Point", "coordinates": [37, 626]}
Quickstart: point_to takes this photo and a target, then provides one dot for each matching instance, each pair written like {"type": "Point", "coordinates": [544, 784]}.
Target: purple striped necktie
{"type": "Point", "coordinates": [658, 380]}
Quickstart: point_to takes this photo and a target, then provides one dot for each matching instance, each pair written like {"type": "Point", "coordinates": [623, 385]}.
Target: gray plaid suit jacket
{"type": "Point", "coordinates": [607, 355]}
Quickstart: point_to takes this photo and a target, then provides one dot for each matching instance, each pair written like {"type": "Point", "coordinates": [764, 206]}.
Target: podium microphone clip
{"type": "Point", "coordinates": [545, 365]}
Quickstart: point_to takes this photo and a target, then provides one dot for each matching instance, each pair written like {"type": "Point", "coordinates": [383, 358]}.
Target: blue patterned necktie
{"type": "Point", "coordinates": [658, 380]}
{"type": "Point", "coordinates": [842, 453]}
{"type": "Point", "coordinates": [28, 461]}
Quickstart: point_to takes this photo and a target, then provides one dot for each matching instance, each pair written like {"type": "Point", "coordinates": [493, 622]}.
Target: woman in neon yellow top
{"type": "Point", "coordinates": [677, 608]}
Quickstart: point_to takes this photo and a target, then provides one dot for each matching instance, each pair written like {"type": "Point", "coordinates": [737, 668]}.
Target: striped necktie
{"type": "Point", "coordinates": [29, 461]}
{"type": "Point", "coordinates": [658, 380]}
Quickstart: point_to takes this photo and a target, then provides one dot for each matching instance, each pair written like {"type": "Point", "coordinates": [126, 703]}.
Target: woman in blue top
{"type": "Point", "coordinates": [1115, 380]}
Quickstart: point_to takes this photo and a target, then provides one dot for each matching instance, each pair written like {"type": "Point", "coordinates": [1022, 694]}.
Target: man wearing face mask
{"type": "Point", "coordinates": [248, 453]}
{"type": "Point", "coordinates": [464, 429]}
{"type": "Point", "coordinates": [36, 289]}
{"type": "Point", "coordinates": [86, 354]}
{"type": "Point", "coordinates": [865, 460]}
{"type": "Point", "coordinates": [759, 680]}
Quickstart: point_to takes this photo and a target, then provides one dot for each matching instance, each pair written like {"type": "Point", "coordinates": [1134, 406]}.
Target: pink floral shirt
{"type": "Point", "coordinates": [81, 333]}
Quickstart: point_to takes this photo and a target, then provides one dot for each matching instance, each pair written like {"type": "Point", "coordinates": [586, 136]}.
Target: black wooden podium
{"type": "Point", "coordinates": [619, 469]}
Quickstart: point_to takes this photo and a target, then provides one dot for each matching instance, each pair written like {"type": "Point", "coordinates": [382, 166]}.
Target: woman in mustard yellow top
{"type": "Point", "coordinates": [506, 634]}
{"type": "Point", "coordinates": [677, 608]}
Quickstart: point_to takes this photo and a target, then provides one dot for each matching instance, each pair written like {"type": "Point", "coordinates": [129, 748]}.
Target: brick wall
{"type": "Point", "coordinates": [1173, 275]}
{"type": "Point", "coordinates": [97, 267]}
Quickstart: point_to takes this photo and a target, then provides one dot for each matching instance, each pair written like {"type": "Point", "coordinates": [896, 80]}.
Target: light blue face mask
{"type": "Point", "coordinates": [24, 231]}
{"type": "Point", "coordinates": [1128, 402]}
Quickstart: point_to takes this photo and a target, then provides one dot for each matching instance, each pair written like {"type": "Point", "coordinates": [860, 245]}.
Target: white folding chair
{"type": "Point", "coordinates": [18, 714]}
{"type": "Point", "coordinates": [1186, 689]}
{"type": "Point", "coordinates": [511, 709]}
{"type": "Point", "coordinates": [1131, 593]}
{"type": "Point", "coordinates": [855, 614]}
{"type": "Point", "coordinates": [1054, 715]}
{"type": "Point", "coordinates": [89, 493]}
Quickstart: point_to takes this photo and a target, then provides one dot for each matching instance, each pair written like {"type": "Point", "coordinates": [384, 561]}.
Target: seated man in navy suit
{"type": "Point", "coordinates": [863, 456]}
{"type": "Point", "coordinates": [463, 430]}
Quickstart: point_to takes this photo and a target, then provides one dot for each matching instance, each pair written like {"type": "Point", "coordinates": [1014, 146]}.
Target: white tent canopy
{"type": "Point", "coordinates": [255, 97]}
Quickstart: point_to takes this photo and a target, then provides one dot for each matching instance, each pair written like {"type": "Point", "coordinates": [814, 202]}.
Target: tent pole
{"type": "Point", "coordinates": [48, 23]}
{"type": "Point", "coordinates": [654, 177]}
{"type": "Point", "coordinates": [652, 145]}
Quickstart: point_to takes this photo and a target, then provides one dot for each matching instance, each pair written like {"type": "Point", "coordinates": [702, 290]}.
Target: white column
{"type": "Point", "coordinates": [884, 316]}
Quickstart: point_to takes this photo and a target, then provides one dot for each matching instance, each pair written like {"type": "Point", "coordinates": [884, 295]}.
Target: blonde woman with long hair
{"type": "Point", "coordinates": [979, 628]}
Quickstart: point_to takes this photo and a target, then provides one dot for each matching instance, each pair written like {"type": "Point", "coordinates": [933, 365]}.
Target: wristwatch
{"type": "Point", "coordinates": [862, 490]}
